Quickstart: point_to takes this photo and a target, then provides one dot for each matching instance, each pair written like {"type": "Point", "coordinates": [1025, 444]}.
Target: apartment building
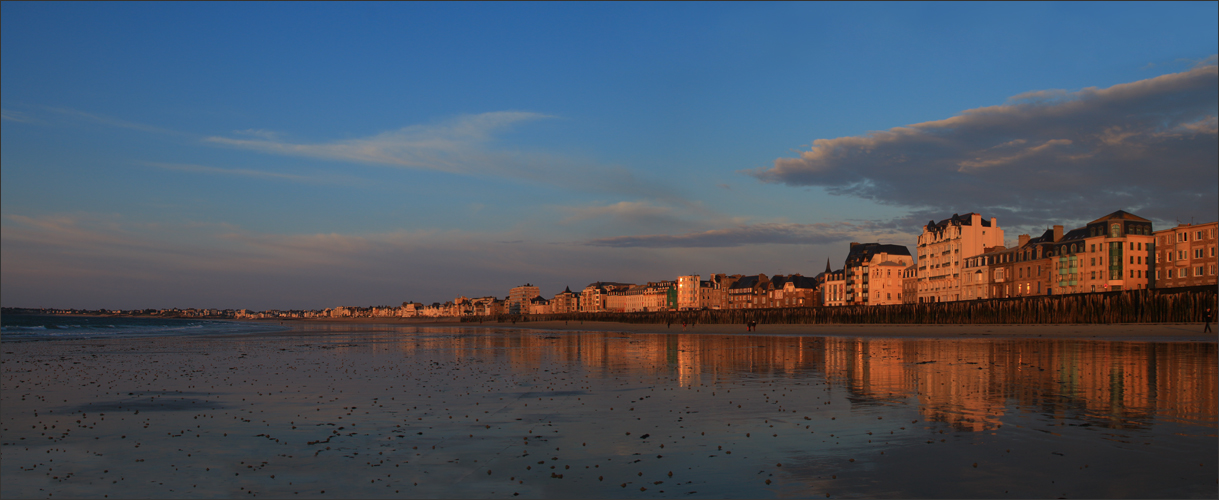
{"type": "Point", "coordinates": [873, 273]}
{"type": "Point", "coordinates": [518, 298]}
{"type": "Point", "coordinates": [793, 291]}
{"type": "Point", "coordinates": [651, 297]}
{"type": "Point", "coordinates": [688, 288]}
{"type": "Point", "coordinates": [595, 296]}
{"type": "Point", "coordinates": [910, 284]}
{"type": "Point", "coordinates": [566, 301]}
{"type": "Point", "coordinates": [1122, 245]}
{"type": "Point", "coordinates": [539, 305]}
{"type": "Point", "coordinates": [941, 248]}
{"type": "Point", "coordinates": [1185, 256]}
{"type": "Point", "coordinates": [833, 287]}
{"type": "Point", "coordinates": [1110, 253]}
{"type": "Point", "coordinates": [746, 292]}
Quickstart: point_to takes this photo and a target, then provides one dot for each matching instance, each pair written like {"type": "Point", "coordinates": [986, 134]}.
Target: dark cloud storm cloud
{"type": "Point", "coordinates": [1148, 146]}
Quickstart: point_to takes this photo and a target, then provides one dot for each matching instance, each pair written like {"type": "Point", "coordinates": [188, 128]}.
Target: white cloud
{"type": "Point", "coordinates": [457, 146]}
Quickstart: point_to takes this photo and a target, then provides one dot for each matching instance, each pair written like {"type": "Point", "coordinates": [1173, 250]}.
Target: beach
{"type": "Point", "coordinates": [442, 410]}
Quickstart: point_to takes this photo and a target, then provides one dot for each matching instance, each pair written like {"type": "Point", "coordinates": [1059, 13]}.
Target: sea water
{"type": "Point", "coordinates": [53, 327]}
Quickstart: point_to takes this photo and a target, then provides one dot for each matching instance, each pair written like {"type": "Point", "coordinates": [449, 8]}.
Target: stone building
{"type": "Point", "coordinates": [873, 273]}
{"type": "Point", "coordinates": [1185, 256]}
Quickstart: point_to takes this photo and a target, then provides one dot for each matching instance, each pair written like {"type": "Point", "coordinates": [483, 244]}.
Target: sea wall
{"type": "Point", "coordinates": [1175, 305]}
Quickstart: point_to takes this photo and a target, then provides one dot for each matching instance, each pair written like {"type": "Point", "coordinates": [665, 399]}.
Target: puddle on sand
{"type": "Point", "coordinates": [360, 411]}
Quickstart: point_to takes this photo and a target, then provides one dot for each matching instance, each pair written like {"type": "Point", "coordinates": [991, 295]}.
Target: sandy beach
{"type": "Point", "coordinates": [346, 410]}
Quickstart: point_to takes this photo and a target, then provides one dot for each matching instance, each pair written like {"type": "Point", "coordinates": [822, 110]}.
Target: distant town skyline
{"type": "Point", "coordinates": [286, 156]}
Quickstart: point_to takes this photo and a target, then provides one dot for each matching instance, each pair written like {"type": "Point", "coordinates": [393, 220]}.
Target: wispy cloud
{"type": "Point", "coordinates": [1149, 145]}
{"type": "Point", "coordinates": [114, 122]}
{"type": "Point", "coordinates": [457, 146]}
{"type": "Point", "coordinates": [761, 234]}
{"type": "Point", "coordinates": [327, 179]}
{"type": "Point", "coordinates": [240, 172]}
{"type": "Point", "coordinates": [15, 116]}
{"type": "Point", "coordinates": [633, 211]}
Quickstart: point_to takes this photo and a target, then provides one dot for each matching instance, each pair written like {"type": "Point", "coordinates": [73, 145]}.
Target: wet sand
{"type": "Point", "coordinates": [365, 410]}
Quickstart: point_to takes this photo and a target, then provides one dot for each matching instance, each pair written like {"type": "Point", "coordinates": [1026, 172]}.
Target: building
{"type": "Point", "coordinates": [941, 248]}
{"type": "Point", "coordinates": [688, 296]}
{"type": "Point", "coordinates": [910, 284]}
{"type": "Point", "coordinates": [1122, 245]}
{"type": "Point", "coordinates": [833, 287]}
{"type": "Point", "coordinates": [713, 291]}
{"type": "Point", "coordinates": [566, 301]}
{"type": "Point", "coordinates": [793, 291]}
{"type": "Point", "coordinates": [1111, 253]}
{"type": "Point", "coordinates": [747, 292]}
{"type": "Point", "coordinates": [873, 273]}
{"type": "Point", "coordinates": [1185, 256]}
{"type": "Point", "coordinates": [518, 298]}
{"type": "Point", "coordinates": [595, 296]}
{"type": "Point", "coordinates": [539, 305]}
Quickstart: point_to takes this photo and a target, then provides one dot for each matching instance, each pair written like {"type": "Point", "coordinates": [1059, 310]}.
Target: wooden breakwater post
{"type": "Point", "coordinates": [1173, 305]}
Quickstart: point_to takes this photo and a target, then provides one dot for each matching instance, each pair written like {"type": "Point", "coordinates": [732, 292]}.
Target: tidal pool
{"type": "Point", "coordinates": [382, 411]}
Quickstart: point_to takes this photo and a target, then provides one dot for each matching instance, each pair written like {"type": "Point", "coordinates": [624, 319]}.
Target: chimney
{"type": "Point", "coordinates": [1057, 232]}
{"type": "Point", "coordinates": [1024, 240]}
{"type": "Point", "coordinates": [994, 222]}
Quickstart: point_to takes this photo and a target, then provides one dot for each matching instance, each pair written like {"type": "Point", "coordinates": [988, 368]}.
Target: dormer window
{"type": "Point", "coordinates": [1115, 230]}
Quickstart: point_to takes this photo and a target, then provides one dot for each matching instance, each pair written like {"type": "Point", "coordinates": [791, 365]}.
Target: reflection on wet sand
{"type": "Point", "coordinates": [373, 411]}
{"type": "Point", "coordinates": [967, 383]}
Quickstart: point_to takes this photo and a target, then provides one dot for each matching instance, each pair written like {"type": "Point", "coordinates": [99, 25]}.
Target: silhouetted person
{"type": "Point", "coordinates": [1207, 317]}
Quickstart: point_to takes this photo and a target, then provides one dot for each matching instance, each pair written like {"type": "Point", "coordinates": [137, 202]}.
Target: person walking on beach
{"type": "Point", "coordinates": [1207, 317]}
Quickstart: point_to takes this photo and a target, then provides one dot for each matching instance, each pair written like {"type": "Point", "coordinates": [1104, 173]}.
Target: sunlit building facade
{"type": "Point", "coordinates": [1186, 256]}
{"type": "Point", "coordinates": [941, 248]}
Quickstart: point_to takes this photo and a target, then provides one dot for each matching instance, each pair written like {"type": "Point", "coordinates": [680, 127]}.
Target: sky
{"type": "Point", "coordinates": [310, 155]}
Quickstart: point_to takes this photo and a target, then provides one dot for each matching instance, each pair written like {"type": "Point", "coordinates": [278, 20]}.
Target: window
{"type": "Point", "coordinates": [1180, 254]}
{"type": "Point", "coordinates": [1199, 253]}
{"type": "Point", "coordinates": [1198, 235]}
{"type": "Point", "coordinates": [1157, 274]}
{"type": "Point", "coordinates": [1092, 248]}
{"type": "Point", "coordinates": [1182, 237]}
{"type": "Point", "coordinates": [1170, 273]}
{"type": "Point", "coordinates": [1140, 245]}
{"type": "Point", "coordinates": [1115, 230]}
{"type": "Point", "coordinates": [1198, 271]}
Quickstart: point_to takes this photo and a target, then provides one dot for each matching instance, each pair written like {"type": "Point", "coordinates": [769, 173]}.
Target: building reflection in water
{"type": "Point", "coordinates": [966, 383]}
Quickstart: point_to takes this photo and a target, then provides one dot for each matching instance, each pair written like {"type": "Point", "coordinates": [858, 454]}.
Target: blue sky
{"type": "Point", "coordinates": [271, 155]}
